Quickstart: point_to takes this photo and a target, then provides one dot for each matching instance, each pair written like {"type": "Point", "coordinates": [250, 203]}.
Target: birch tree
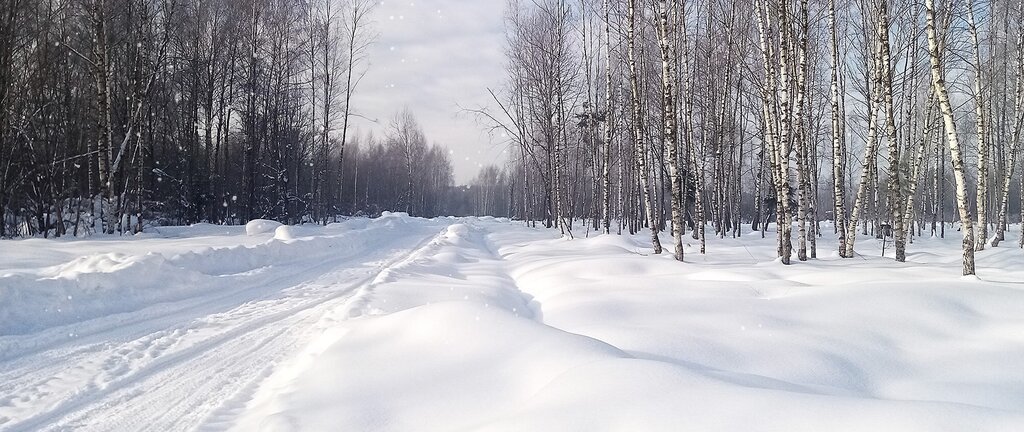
{"type": "Point", "coordinates": [838, 133]}
{"type": "Point", "coordinates": [637, 127]}
{"type": "Point", "coordinates": [668, 113]}
{"type": "Point", "coordinates": [1017, 121]}
{"type": "Point", "coordinates": [871, 146]}
{"type": "Point", "coordinates": [982, 130]}
{"type": "Point", "coordinates": [945, 108]}
{"type": "Point", "coordinates": [896, 180]}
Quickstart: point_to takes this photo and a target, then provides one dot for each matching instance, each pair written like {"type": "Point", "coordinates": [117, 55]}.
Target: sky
{"type": "Point", "coordinates": [436, 57]}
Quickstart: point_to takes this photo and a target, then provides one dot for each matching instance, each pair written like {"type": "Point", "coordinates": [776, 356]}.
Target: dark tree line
{"type": "Point", "coordinates": [400, 172]}
{"type": "Point", "coordinates": [121, 113]}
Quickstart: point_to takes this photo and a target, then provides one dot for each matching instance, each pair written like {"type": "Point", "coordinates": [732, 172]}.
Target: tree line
{"type": "Point", "coordinates": [115, 114]}
{"type": "Point", "coordinates": [688, 117]}
{"type": "Point", "coordinates": [696, 116]}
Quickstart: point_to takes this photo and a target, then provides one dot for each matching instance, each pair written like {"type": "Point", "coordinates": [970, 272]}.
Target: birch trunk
{"type": "Point", "coordinates": [101, 76]}
{"type": "Point", "coordinates": [1018, 92]}
{"type": "Point", "coordinates": [668, 113]}
{"type": "Point", "coordinates": [838, 137]}
{"type": "Point", "coordinates": [694, 155]}
{"type": "Point", "coordinates": [784, 147]}
{"type": "Point", "coordinates": [939, 86]}
{"type": "Point", "coordinates": [608, 124]}
{"type": "Point", "coordinates": [895, 198]}
{"type": "Point", "coordinates": [803, 170]}
{"type": "Point", "coordinates": [778, 116]}
{"type": "Point", "coordinates": [870, 154]}
{"type": "Point", "coordinates": [900, 239]}
{"type": "Point", "coordinates": [979, 110]}
{"type": "Point", "coordinates": [638, 139]}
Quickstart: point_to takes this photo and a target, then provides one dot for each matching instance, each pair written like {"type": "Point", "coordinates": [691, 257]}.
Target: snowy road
{"type": "Point", "coordinates": [194, 362]}
{"type": "Point", "coordinates": [399, 323]}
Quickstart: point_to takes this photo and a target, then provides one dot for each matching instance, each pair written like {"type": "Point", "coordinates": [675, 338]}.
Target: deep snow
{"type": "Point", "coordinates": [483, 324]}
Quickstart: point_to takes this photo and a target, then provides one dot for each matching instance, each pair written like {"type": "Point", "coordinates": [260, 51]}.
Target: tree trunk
{"type": "Point", "coordinates": [949, 122]}
{"type": "Point", "coordinates": [800, 135]}
{"type": "Point", "coordinates": [1018, 98]}
{"type": "Point", "coordinates": [668, 114]}
{"type": "Point", "coordinates": [638, 139]}
{"type": "Point", "coordinates": [870, 152]}
{"type": "Point", "coordinates": [609, 124]}
{"type": "Point", "coordinates": [895, 192]}
{"type": "Point", "coordinates": [982, 130]}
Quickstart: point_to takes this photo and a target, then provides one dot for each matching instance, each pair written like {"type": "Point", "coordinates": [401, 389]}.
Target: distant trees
{"type": "Point", "coordinates": [399, 172]}
{"type": "Point", "coordinates": [489, 193]}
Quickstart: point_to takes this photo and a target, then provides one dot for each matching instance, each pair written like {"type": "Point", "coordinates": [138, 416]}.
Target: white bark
{"type": "Point", "coordinates": [895, 198]}
{"type": "Point", "coordinates": [638, 138]}
{"type": "Point", "coordinates": [979, 110]}
{"type": "Point", "coordinates": [1018, 98]}
{"type": "Point", "coordinates": [838, 136]}
{"type": "Point", "coordinates": [870, 153]}
{"type": "Point", "coordinates": [608, 124]}
{"type": "Point", "coordinates": [939, 87]}
{"type": "Point", "coordinates": [668, 113]}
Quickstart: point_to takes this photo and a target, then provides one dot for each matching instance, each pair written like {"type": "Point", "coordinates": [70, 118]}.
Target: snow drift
{"type": "Point", "coordinates": [401, 323]}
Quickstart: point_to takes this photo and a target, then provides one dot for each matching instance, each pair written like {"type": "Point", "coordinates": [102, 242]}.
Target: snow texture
{"type": "Point", "coordinates": [401, 323]}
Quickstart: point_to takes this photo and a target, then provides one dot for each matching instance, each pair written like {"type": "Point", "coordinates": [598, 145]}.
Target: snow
{"type": "Point", "coordinates": [261, 226]}
{"type": "Point", "coordinates": [401, 323]}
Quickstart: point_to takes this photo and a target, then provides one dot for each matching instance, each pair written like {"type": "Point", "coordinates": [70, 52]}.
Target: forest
{"type": "Point", "coordinates": [897, 119]}
{"type": "Point", "coordinates": [693, 118]}
{"type": "Point", "coordinates": [121, 114]}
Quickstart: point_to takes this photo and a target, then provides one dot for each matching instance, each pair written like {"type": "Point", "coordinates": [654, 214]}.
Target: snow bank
{"type": "Point", "coordinates": [623, 340]}
{"type": "Point", "coordinates": [866, 344]}
{"type": "Point", "coordinates": [261, 226]}
{"type": "Point", "coordinates": [91, 286]}
{"type": "Point", "coordinates": [95, 284]}
{"type": "Point", "coordinates": [490, 325]}
{"type": "Point", "coordinates": [445, 366]}
{"type": "Point", "coordinates": [284, 232]}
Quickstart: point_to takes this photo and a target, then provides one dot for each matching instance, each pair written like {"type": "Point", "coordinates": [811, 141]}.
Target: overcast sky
{"type": "Point", "coordinates": [436, 56]}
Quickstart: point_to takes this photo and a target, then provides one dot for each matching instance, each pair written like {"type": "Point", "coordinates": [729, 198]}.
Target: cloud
{"type": "Point", "coordinates": [436, 56]}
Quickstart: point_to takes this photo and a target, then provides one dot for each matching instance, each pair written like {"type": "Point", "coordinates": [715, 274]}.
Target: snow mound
{"type": "Point", "coordinates": [92, 286]}
{"type": "Point", "coordinates": [260, 226]}
{"type": "Point", "coordinates": [284, 233]}
{"type": "Point", "coordinates": [393, 215]}
{"type": "Point", "coordinates": [471, 362]}
{"type": "Point", "coordinates": [619, 339]}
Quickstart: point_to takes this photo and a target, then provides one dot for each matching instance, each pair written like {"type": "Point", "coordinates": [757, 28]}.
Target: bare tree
{"type": "Point", "coordinates": [637, 129]}
{"type": "Point", "coordinates": [980, 113]}
{"type": "Point", "coordinates": [665, 42]}
{"type": "Point", "coordinates": [949, 123]}
{"type": "Point", "coordinates": [359, 36]}
{"type": "Point", "coordinates": [838, 133]}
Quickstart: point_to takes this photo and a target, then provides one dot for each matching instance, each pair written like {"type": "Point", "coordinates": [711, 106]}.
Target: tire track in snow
{"type": "Point", "coordinates": [174, 378]}
{"type": "Point", "coordinates": [32, 376]}
{"type": "Point", "coordinates": [257, 283]}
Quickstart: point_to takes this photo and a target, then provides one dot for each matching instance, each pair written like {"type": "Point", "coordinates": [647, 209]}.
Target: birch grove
{"type": "Point", "coordinates": [868, 124]}
{"type": "Point", "coordinates": [756, 112]}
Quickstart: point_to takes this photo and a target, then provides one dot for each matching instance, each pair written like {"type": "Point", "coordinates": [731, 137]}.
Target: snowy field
{"type": "Point", "coordinates": [481, 324]}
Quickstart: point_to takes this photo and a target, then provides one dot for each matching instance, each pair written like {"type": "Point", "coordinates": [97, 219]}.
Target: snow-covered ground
{"type": "Point", "coordinates": [483, 324]}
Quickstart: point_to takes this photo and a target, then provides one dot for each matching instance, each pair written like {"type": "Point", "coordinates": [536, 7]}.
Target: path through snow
{"type": "Point", "coordinates": [180, 364]}
{"type": "Point", "coordinates": [481, 324]}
